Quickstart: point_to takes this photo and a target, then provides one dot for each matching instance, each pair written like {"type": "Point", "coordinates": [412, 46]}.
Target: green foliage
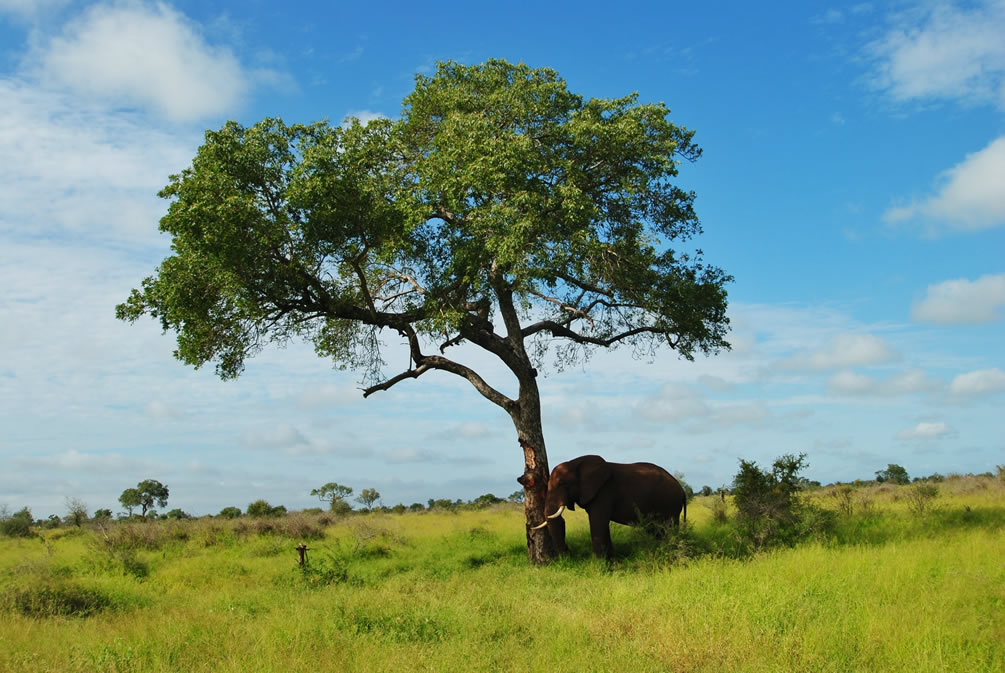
{"type": "Point", "coordinates": [768, 509]}
{"type": "Point", "coordinates": [486, 500]}
{"type": "Point", "coordinates": [76, 512]}
{"type": "Point", "coordinates": [177, 514]}
{"type": "Point", "coordinates": [497, 188]}
{"type": "Point", "coordinates": [130, 500]}
{"type": "Point", "coordinates": [18, 524]}
{"type": "Point", "coordinates": [262, 508]}
{"type": "Point", "coordinates": [102, 514]}
{"type": "Point", "coordinates": [517, 497]}
{"type": "Point", "coordinates": [335, 495]}
{"type": "Point", "coordinates": [55, 600]}
{"type": "Point", "coordinates": [367, 497]}
{"type": "Point", "coordinates": [920, 497]}
{"type": "Point", "coordinates": [230, 512]}
{"type": "Point", "coordinates": [894, 474]}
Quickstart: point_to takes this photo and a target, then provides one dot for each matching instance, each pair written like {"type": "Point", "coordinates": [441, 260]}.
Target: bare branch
{"type": "Point", "coordinates": [410, 374]}
{"type": "Point", "coordinates": [560, 330]}
{"type": "Point", "coordinates": [571, 309]}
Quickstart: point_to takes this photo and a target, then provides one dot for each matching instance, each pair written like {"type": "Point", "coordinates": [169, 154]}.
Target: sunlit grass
{"type": "Point", "coordinates": [885, 591]}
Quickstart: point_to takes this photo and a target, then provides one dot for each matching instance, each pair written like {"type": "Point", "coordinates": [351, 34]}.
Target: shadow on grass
{"type": "Point", "coordinates": [634, 547]}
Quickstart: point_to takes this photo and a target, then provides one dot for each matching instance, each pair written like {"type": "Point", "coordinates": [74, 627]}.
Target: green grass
{"type": "Point", "coordinates": [886, 590]}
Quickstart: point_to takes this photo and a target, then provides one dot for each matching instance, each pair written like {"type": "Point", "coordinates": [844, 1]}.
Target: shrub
{"type": "Point", "coordinates": [769, 510]}
{"type": "Point", "coordinates": [230, 512]}
{"type": "Point", "coordinates": [262, 508]}
{"type": "Point", "coordinates": [56, 600]}
{"type": "Point", "coordinates": [18, 524]}
{"type": "Point", "coordinates": [845, 496]}
{"type": "Point", "coordinates": [920, 497]}
{"type": "Point", "coordinates": [719, 510]}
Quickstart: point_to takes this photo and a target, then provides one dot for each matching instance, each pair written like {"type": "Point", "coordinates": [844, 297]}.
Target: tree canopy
{"type": "Point", "coordinates": [499, 210]}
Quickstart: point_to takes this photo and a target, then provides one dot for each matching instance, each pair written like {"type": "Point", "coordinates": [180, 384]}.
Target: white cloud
{"type": "Point", "coordinates": [944, 52]}
{"type": "Point", "coordinates": [68, 165]}
{"type": "Point", "coordinates": [88, 462]}
{"type": "Point", "coordinates": [163, 412]}
{"type": "Point", "coordinates": [902, 383]}
{"type": "Point", "coordinates": [283, 436]}
{"type": "Point", "coordinates": [926, 431]}
{"type": "Point", "coordinates": [147, 56]}
{"type": "Point", "coordinates": [414, 455]}
{"type": "Point", "coordinates": [981, 382]}
{"type": "Point", "coordinates": [963, 301]}
{"type": "Point", "coordinates": [843, 350]}
{"type": "Point", "coordinates": [364, 117]}
{"type": "Point", "coordinates": [971, 195]}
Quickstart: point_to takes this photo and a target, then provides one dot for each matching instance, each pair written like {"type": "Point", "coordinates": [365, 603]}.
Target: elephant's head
{"type": "Point", "coordinates": [574, 482]}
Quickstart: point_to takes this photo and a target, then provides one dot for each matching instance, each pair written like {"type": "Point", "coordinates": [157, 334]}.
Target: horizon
{"type": "Point", "coordinates": [852, 183]}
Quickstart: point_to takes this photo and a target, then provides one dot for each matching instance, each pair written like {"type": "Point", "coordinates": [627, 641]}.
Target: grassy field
{"type": "Point", "coordinates": [887, 589]}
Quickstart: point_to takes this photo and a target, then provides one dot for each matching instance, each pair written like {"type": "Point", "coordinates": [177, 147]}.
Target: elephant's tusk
{"type": "Point", "coordinates": [540, 526]}
{"type": "Point", "coordinates": [558, 513]}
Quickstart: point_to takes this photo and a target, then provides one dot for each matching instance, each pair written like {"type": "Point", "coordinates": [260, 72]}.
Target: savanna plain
{"type": "Point", "coordinates": [889, 584]}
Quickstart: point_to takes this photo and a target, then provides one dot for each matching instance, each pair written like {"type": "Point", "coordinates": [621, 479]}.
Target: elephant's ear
{"type": "Point", "coordinates": [593, 474]}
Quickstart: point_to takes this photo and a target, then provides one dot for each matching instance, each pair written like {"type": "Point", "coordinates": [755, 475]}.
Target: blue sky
{"type": "Point", "coordinates": [853, 182]}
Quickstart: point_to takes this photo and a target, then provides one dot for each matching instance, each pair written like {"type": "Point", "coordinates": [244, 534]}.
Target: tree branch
{"type": "Point", "coordinates": [571, 309]}
{"type": "Point", "coordinates": [559, 330]}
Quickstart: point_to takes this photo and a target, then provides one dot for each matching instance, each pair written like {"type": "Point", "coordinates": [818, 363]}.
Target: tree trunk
{"type": "Point", "coordinates": [527, 419]}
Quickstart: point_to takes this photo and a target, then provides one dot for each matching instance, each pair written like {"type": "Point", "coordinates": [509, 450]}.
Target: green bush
{"type": "Point", "coordinates": [769, 510]}
{"type": "Point", "coordinates": [920, 497]}
{"type": "Point", "coordinates": [262, 508]}
{"type": "Point", "coordinates": [18, 524]}
{"type": "Point", "coordinates": [56, 600]}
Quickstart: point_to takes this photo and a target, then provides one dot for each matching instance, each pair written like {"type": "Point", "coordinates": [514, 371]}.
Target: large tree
{"type": "Point", "coordinates": [500, 210]}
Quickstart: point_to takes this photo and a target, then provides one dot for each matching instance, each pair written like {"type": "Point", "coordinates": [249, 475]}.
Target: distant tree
{"type": "Point", "coordinates": [416, 507]}
{"type": "Point", "coordinates": [130, 499]}
{"type": "Point", "coordinates": [486, 500]}
{"type": "Point", "coordinates": [706, 490]}
{"type": "Point", "coordinates": [76, 511]}
{"type": "Point", "coordinates": [230, 512]}
{"type": "Point", "coordinates": [367, 497]}
{"type": "Point", "coordinates": [260, 508]}
{"type": "Point", "coordinates": [102, 514]}
{"type": "Point", "coordinates": [178, 514]}
{"type": "Point", "coordinates": [18, 524]}
{"type": "Point", "coordinates": [278, 510]}
{"type": "Point", "coordinates": [500, 210]}
{"type": "Point", "coordinates": [894, 474]}
{"type": "Point", "coordinates": [52, 522]}
{"type": "Point", "coordinates": [516, 496]}
{"type": "Point", "coordinates": [335, 495]}
{"type": "Point", "coordinates": [399, 509]}
{"type": "Point", "coordinates": [152, 491]}
{"type": "Point", "coordinates": [442, 503]}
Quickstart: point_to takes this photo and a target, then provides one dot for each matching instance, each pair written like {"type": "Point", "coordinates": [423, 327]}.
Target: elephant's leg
{"type": "Point", "coordinates": [600, 532]}
{"type": "Point", "coordinates": [557, 529]}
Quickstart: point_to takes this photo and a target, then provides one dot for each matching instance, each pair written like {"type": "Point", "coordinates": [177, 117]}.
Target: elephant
{"type": "Point", "coordinates": [627, 493]}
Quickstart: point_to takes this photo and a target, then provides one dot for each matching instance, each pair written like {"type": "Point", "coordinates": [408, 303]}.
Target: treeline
{"type": "Point", "coordinates": [766, 501]}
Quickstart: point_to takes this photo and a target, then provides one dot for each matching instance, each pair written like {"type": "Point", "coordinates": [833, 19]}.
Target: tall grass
{"type": "Point", "coordinates": [885, 590]}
